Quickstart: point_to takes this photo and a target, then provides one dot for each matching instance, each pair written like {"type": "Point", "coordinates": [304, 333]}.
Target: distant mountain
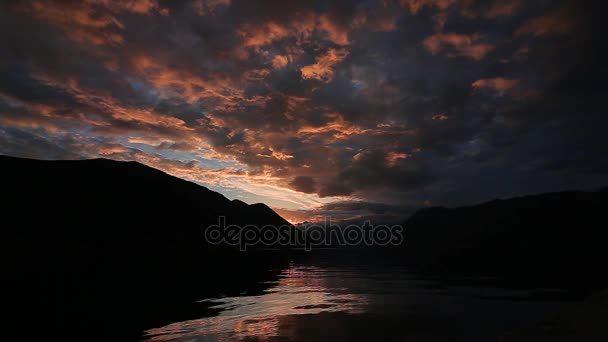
{"type": "Point", "coordinates": [96, 242]}
{"type": "Point", "coordinates": [555, 235]}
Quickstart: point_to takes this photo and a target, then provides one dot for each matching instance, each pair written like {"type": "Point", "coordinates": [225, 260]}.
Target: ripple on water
{"type": "Point", "coordinates": [315, 300]}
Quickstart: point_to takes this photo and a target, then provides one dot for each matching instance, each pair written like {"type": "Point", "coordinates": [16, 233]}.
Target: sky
{"type": "Point", "coordinates": [354, 109]}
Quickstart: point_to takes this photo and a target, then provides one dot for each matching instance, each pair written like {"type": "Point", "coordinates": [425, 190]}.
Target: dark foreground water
{"type": "Point", "coordinates": [346, 301]}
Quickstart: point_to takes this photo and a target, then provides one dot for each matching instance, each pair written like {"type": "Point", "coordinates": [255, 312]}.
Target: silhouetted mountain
{"type": "Point", "coordinates": [102, 185]}
{"type": "Point", "coordinates": [239, 203]}
{"type": "Point", "coordinates": [549, 236]}
{"type": "Point", "coordinates": [101, 243]}
{"type": "Point", "coordinates": [259, 213]}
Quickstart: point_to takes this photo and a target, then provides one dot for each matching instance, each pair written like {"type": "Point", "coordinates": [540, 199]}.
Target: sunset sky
{"type": "Point", "coordinates": [347, 108]}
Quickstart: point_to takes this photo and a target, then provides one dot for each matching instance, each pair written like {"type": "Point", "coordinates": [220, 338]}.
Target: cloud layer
{"type": "Point", "coordinates": [347, 106]}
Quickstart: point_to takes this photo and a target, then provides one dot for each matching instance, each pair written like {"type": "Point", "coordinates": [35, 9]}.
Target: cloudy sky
{"type": "Point", "coordinates": [348, 108]}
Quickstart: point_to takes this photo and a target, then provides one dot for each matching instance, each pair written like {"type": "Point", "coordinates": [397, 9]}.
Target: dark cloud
{"type": "Point", "coordinates": [303, 184]}
{"type": "Point", "coordinates": [16, 81]}
{"type": "Point", "coordinates": [335, 189]}
{"type": "Point", "coordinates": [376, 208]}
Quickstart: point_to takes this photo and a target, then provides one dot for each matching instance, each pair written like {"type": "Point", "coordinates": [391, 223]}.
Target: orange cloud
{"type": "Point", "coordinates": [502, 8]}
{"type": "Point", "coordinates": [76, 15]}
{"type": "Point", "coordinates": [338, 128]}
{"type": "Point", "coordinates": [263, 34]}
{"type": "Point", "coordinates": [558, 22]}
{"type": "Point", "coordinates": [146, 116]}
{"type": "Point", "coordinates": [392, 158]}
{"type": "Point", "coordinates": [279, 61]}
{"type": "Point", "coordinates": [416, 6]}
{"type": "Point", "coordinates": [336, 33]}
{"type": "Point", "coordinates": [498, 84]}
{"type": "Point", "coordinates": [323, 68]}
{"type": "Point", "coordinates": [92, 21]}
{"type": "Point", "coordinates": [462, 45]}
{"type": "Point", "coordinates": [258, 35]}
{"type": "Point", "coordinates": [81, 22]}
{"type": "Point", "coordinates": [107, 104]}
{"type": "Point", "coordinates": [300, 29]}
{"type": "Point", "coordinates": [134, 6]}
{"type": "Point", "coordinates": [193, 86]}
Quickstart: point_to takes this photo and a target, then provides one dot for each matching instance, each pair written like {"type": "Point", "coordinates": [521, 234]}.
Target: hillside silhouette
{"type": "Point", "coordinates": [557, 238]}
{"type": "Point", "coordinates": [95, 243]}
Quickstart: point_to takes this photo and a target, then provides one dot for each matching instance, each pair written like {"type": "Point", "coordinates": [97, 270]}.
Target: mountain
{"type": "Point", "coordinates": [112, 188]}
{"type": "Point", "coordinates": [98, 242]}
{"type": "Point", "coordinates": [554, 236]}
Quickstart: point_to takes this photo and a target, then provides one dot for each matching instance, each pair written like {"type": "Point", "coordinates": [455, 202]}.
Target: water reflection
{"type": "Point", "coordinates": [299, 290]}
{"type": "Point", "coordinates": [352, 303]}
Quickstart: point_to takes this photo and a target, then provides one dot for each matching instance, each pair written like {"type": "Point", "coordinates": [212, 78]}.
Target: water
{"type": "Point", "coordinates": [357, 303]}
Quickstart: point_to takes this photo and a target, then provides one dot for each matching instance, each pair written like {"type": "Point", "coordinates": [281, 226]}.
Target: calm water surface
{"type": "Point", "coordinates": [352, 303]}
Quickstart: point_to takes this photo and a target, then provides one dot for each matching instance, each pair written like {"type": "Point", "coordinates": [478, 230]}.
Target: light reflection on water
{"type": "Point", "coordinates": [307, 298]}
{"type": "Point", "coordinates": [300, 290]}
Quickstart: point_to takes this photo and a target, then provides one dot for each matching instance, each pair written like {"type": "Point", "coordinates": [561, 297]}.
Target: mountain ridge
{"type": "Point", "coordinates": [87, 165]}
{"type": "Point", "coordinates": [551, 235]}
